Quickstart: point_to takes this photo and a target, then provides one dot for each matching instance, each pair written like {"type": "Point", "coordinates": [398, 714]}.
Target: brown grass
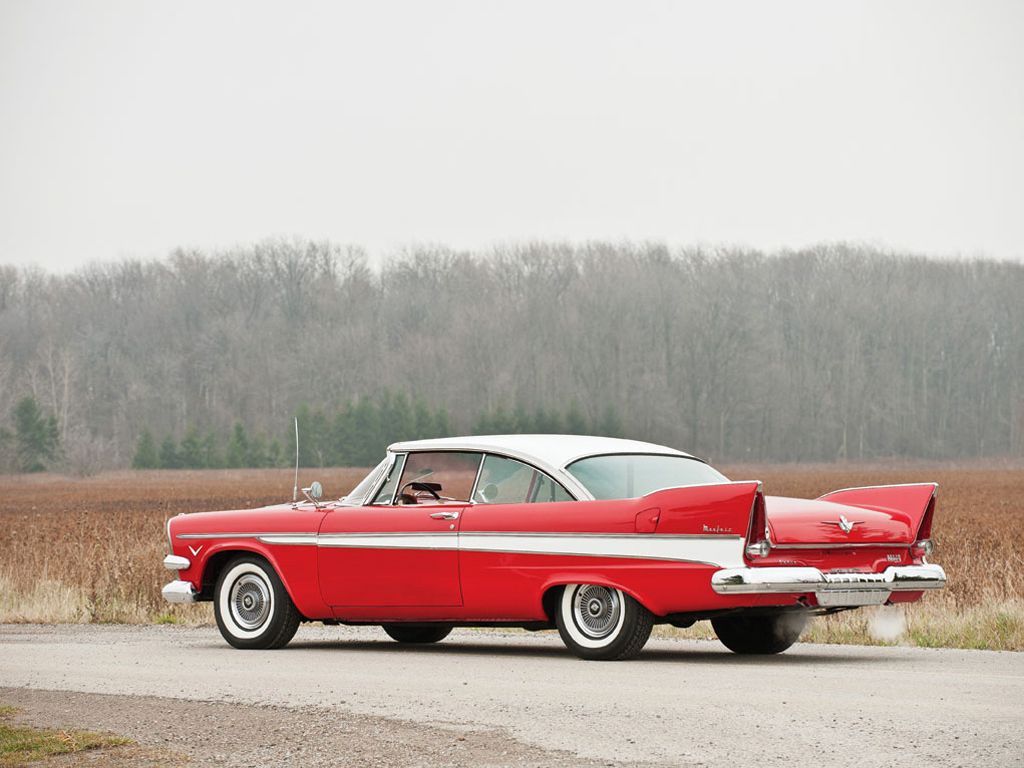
{"type": "Point", "coordinates": [89, 550]}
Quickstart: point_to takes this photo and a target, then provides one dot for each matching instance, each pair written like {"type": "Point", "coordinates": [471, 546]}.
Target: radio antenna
{"type": "Point", "coordinates": [295, 489]}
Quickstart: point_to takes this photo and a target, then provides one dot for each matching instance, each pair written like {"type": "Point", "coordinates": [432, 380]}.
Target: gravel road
{"type": "Point", "coordinates": [349, 696]}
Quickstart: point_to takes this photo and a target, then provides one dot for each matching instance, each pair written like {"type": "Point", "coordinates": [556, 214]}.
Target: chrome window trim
{"type": "Point", "coordinates": [373, 486]}
{"type": "Point", "coordinates": [633, 453]}
{"type": "Point", "coordinates": [383, 480]}
{"type": "Point", "coordinates": [407, 454]}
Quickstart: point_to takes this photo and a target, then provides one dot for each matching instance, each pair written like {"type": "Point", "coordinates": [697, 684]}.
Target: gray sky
{"type": "Point", "coordinates": [131, 128]}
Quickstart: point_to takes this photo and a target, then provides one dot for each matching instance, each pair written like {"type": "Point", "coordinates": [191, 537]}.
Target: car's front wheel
{"type": "Point", "coordinates": [417, 633]}
{"type": "Point", "coordinates": [252, 606]}
{"type": "Point", "coordinates": [602, 623]}
{"type": "Point", "coordinates": [760, 634]}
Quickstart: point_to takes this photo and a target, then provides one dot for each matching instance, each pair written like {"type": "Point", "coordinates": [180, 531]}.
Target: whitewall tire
{"type": "Point", "coordinates": [602, 623]}
{"type": "Point", "coordinates": [252, 607]}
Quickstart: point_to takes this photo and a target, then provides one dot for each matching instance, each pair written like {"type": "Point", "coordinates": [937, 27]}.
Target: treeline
{"type": "Point", "coordinates": [832, 352]}
{"type": "Point", "coordinates": [356, 436]}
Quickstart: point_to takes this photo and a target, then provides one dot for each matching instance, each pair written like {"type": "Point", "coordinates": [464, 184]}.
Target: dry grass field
{"type": "Point", "coordinates": [90, 549]}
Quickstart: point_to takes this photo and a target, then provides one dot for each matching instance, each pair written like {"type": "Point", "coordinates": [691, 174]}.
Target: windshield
{"type": "Point", "coordinates": [356, 495]}
{"type": "Point", "coordinates": [628, 475]}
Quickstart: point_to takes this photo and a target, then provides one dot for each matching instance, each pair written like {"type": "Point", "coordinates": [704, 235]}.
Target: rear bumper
{"type": "Point", "coordinates": [179, 592]}
{"type": "Point", "coordinates": [830, 589]}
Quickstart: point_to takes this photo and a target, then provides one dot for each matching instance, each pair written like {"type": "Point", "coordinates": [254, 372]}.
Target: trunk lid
{"type": "Point", "coordinates": [816, 522]}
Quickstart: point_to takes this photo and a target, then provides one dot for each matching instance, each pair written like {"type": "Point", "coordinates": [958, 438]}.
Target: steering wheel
{"type": "Point", "coordinates": [418, 486]}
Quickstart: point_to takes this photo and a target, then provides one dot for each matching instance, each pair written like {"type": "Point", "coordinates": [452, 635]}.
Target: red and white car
{"type": "Point", "coordinates": [599, 537]}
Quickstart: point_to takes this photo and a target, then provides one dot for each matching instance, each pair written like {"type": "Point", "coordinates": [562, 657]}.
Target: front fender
{"type": "Point", "coordinates": [295, 565]}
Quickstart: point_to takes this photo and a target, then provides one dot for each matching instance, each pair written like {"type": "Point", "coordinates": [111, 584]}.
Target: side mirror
{"type": "Point", "coordinates": [314, 492]}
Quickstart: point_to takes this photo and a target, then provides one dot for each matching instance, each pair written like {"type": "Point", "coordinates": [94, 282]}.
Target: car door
{"type": "Point", "coordinates": [401, 548]}
{"type": "Point", "coordinates": [514, 536]}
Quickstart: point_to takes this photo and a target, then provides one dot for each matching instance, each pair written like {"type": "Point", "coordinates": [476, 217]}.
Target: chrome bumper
{"type": "Point", "coordinates": [179, 592]}
{"type": "Point", "coordinates": [831, 589]}
{"type": "Point", "coordinates": [176, 563]}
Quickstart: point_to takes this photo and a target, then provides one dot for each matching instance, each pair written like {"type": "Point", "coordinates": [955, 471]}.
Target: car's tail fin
{"type": "Point", "coordinates": [913, 501]}
{"type": "Point", "coordinates": [719, 509]}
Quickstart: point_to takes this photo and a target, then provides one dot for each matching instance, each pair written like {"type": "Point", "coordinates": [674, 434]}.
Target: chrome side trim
{"type": "Point", "coordinates": [445, 540]}
{"type": "Point", "coordinates": [935, 487]}
{"type": "Point", "coordinates": [289, 539]}
{"type": "Point", "coordinates": [176, 563]}
{"type": "Point", "coordinates": [708, 549]}
{"type": "Point", "coordinates": [179, 592]}
{"type": "Point", "coordinates": [771, 580]}
{"type": "Point", "coordinates": [249, 535]}
{"type": "Point", "coordinates": [855, 545]}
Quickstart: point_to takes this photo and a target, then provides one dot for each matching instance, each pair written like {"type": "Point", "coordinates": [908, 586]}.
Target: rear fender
{"type": "Point", "coordinates": [588, 577]}
{"type": "Point", "coordinates": [721, 509]}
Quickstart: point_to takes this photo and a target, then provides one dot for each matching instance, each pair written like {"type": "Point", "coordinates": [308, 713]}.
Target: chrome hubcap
{"type": "Point", "coordinates": [596, 610]}
{"type": "Point", "coordinates": [250, 601]}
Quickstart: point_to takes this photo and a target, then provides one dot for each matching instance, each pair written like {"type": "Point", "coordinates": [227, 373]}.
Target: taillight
{"type": "Point", "coordinates": [922, 548]}
{"type": "Point", "coordinates": [758, 543]}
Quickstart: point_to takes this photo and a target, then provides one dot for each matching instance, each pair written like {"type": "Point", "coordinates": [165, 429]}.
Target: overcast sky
{"type": "Point", "coordinates": [127, 129]}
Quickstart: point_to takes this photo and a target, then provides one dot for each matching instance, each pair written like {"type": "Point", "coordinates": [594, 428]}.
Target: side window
{"type": "Point", "coordinates": [547, 489]}
{"type": "Point", "coordinates": [507, 481]}
{"type": "Point", "coordinates": [388, 489]}
{"type": "Point", "coordinates": [449, 475]}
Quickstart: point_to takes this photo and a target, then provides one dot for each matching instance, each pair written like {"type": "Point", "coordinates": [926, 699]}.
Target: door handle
{"type": "Point", "coordinates": [445, 515]}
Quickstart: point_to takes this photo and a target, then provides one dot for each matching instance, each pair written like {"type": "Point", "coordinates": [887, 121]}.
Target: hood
{"type": "Point", "coordinates": [274, 518]}
{"type": "Point", "coordinates": [807, 521]}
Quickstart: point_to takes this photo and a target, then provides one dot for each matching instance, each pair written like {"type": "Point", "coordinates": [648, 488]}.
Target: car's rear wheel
{"type": "Point", "coordinates": [760, 634]}
{"type": "Point", "coordinates": [252, 606]}
{"type": "Point", "coordinates": [602, 623]}
{"type": "Point", "coordinates": [417, 633]}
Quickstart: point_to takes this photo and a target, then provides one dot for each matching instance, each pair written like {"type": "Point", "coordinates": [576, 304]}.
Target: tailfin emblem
{"type": "Point", "coordinates": [844, 525]}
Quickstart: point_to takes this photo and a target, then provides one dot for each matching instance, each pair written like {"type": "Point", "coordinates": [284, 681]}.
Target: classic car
{"type": "Point", "coordinates": [598, 537]}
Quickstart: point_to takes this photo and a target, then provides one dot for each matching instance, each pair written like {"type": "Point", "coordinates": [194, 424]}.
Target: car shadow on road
{"type": "Point", "coordinates": [798, 655]}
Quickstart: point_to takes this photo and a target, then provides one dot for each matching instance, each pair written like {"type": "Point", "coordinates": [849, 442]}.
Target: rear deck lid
{"type": "Point", "coordinates": [817, 522]}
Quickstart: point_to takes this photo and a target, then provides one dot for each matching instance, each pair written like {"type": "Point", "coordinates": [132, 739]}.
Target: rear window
{"type": "Point", "coordinates": [629, 475]}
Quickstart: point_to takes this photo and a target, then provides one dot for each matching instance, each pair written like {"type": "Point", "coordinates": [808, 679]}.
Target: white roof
{"type": "Point", "coordinates": [547, 451]}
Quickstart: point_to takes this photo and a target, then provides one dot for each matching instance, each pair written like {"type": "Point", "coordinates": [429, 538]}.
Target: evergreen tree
{"type": "Point", "coordinates": [547, 422]}
{"type": "Point", "coordinates": [442, 424]}
{"type": "Point", "coordinates": [502, 422]}
{"type": "Point", "coordinates": [367, 445]}
{"type": "Point", "coordinates": [238, 447]}
{"type": "Point", "coordinates": [275, 454]}
{"type": "Point", "coordinates": [482, 425]}
{"type": "Point", "coordinates": [35, 436]}
{"type": "Point", "coordinates": [610, 424]}
{"type": "Point", "coordinates": [575, 421]}
{"type": "Point", "coordinates": [191, 454]}
{"type": "Point", "coordinates": [257, 455]}
{"type": "Point", "coordinates": [522, 422]}
{"type": "Point", "coordinates": [396, 418]}
{"type": "Point", "coordinates": [145, 452]}
{"type": "Point", "coordinates": [341, 439]}
{"type": "Point", "coordinates": [423, 421]}
{"type": "Point", "coordinates": [210, 451]}
{"type": "Point", "coordinates": [308, 429]}
{"type": "Point", "coordinates": [169, 458]}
